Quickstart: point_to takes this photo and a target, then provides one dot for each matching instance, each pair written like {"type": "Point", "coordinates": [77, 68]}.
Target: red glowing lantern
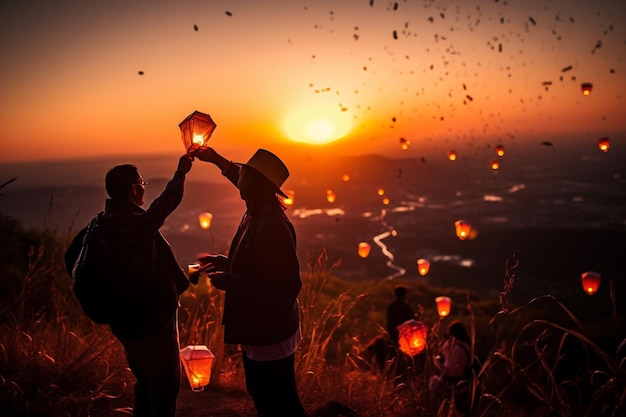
{"type": "Point", "coordinates": [197, 361]}
{"type": "Point", "coordinates": [591, 281]}
{"type": "Point", "coordinates": [345, 177]}
{"type": "Point", "coordinates": [288, 201]}
{"type": "Point", "coordinates": [364, 249]}
{"type": "Point", "coordinates": [423, 265]}
{"type": "Point", "coordinates": [463, 229]}
{"type": "Point", "coordinates": [494, 164]}
{"type": "Point", "coordinates": [443, 305]}
{"type": "Point", "coordinates": [452, 155]}
{"type": "Point", "coordinates": [205, 220]}
{"type": "Point", "coordinates": [196, 130]}
{"type": "Point", "coordinates": [412, 337]}
{"type": "Point", "coordinates": [586, 88]}
{"type": "Point", "coordinates": [330, 196]}
{"type": "Point", "coordinates": [604, 145]}
{"type": "Point", "coordinates": [500, 150]}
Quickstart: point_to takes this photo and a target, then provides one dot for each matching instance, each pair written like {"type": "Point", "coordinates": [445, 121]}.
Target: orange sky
{"type": "Point", "coordinates": [438, 73]}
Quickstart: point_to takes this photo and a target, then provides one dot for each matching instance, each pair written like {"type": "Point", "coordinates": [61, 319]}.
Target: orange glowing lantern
{"type": "Point", "coordinates": [586, 88]}
{"type": "Point", "coordinates": [604, 145]}
{"type": "Point", "coordinates": [500, 150]}
{"type": "Point", "coordinates": [197, 361]}
{"type": "Point", "coordinates": [494, 164]}
{"type": "Point", "coordinates": [345, 177]}
{"type": "Point", "coordinates": [423, 265]}
{"type": "Point", "coordinates": [196, 129]}
{"type": "Point", "coordinates": [452, 155]}
{"type": "Point", "coordinates": [386, 201]}
{"type": "Point", "coordinates": [412, 337]}
{"type": "Point", "coordinates": [381, 191]}
{"type": "Point", "coordinates": [205, 220]}
{"type": "Point", "coordinates": [591, 281]}
{"type": "Point", "coordinates": [364, 249]}
{"type": "Point", "coordinates": [443, 305]}
{"type": "Point", "coordinates": [330, 196]}
{"type": "Point", "coordinates": [288, 201]}
{"type": "Point", "coordinates": [463, 229]}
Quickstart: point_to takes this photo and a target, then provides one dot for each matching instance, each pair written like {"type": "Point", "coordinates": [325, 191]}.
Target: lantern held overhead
{"type": "Point", "coordinates": [197, 361]}
{"type": "Point", "coordinates": [423, 265]}
{"type": "Point", "coordinates": [364, 249]}
{"type": "Point", "coordinates": [196, 130]}
{"type": "Point", "coordinates": [443, 305]}
{"type": "Point", "coordinates": [412, 337]}
{"type": "Point", "coordinates": [590, 281]}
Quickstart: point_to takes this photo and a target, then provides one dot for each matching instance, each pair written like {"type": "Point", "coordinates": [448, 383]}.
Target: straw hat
{"type": "Point", "coordinates": [271, 167]}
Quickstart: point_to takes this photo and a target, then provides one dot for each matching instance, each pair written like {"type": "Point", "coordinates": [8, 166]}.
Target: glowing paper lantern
{"type": "Point", "coordinates": [586, 88]}
{"type": "Point", "coordinates": [591, 281]}
{"type": "Point", "coordinates": [452, 155]}
{"type": "Point", "coordinates": [412, 337]}
{"type": "Point", "coordinates": [364, 249]}
{"type": "Point", "coordinates": [330, 196]}
{"type": "Point", "coordinates": [604, 145]}
{"type": "Point", "coordinates": [500, 150]}
{"type": "Point", "coordinates": [196, 130]}
{"type": "Point", "coordinates": [423, 265]}
{"type": "Point", "coordinates": [386, 201]}
{"type": "Point", "coordinates": [381, 191]}
{"type": "Point", "coordinates": [443, 305]}
{"type": "Point", "coordinates": [197, 361]}
{"type": "Point", "coordinates": [462, 228]}
{"type": "Point", "coordinates": [494, 164]}
{"type": "Point", "coordinates": [288, 201]}
{"type": "Point", "coordinates": [205, 220]}
{"type": "Point", "coordinates": [345, 177]}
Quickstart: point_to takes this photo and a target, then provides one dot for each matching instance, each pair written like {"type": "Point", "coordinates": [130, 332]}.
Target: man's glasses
{"type": "Point", "coordinates": [142, 183]}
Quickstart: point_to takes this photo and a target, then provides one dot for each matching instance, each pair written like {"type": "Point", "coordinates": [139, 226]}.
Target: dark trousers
{"type": "Point", "coordinates": [155, 362]}
{"type": "Point", "coordinates": [272, 386]}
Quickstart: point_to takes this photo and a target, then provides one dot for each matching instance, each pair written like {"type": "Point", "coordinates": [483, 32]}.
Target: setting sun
{"type": "Point", "coordinates": [317, 124]}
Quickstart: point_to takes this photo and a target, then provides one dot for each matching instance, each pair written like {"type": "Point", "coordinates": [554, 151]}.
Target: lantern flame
{"type": "Point", "coordinates": [452, 155]}
{"type": "Point", "coordinates": [604, 145]}
{"type": "Point", "coordinates": [462, 229]}
{"type": "Point", "coordinates": [364, 249]}
{"type": "Point", "coordinates": [205, 220]}
{"type": "Point", "coordinates": [423, 265]}
{"type": "Point", "coordinates": [590, 281]}
{"type": "Point", "coordinates": [412, 337]}
{"type": "Point", "coordinates": [500, 150]}
{"type": "Point", "coordinates": [330, 196]}
{"type": "Point", "coordinates": [586, 88]}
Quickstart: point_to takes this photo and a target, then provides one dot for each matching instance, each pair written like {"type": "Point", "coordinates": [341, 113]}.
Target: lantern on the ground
{"type": "Point", "coordinates": [364, 249]}
{"type": "Point", "coordinates": [586, 88]}
{"type": "Point", "coordinates": [452, 155]}
{"type": "Point", "coordinates": [412, 337]}
{"type": "Point", "coordinates": [197, 361]}
{"type": "Point", "coordinates": [604, 145]}
{"type": "Point", "coordinates": [462, 228]}
{"type": "Point", "coordinates": [591, 281]}
{"type": "Point", "coordinates": [330, 196]}
{"type": "Point", "coordinates": [196, 130]}
{"type": "Point", "coordinates": [443, 305]}
{"type": "Point", "coordinates": [500, 150]}
{"type": "Point", "coordinates": [205, 220]}
{"type": "Point", "coordinates": [423, 265]}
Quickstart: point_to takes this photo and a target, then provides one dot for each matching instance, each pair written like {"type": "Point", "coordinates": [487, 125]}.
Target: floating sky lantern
{"type": "Point", "coordinates": [404, 144]}
{"type": "Point", "coordinates": [380, 191]}
{"type": "Point", "coordinates": [443, 305]}
{"type": "Point", "coordinates": [494, 164]}
{"type": "Point", "coordinates": [604, 145]}
{"type": "Point", "coordinates": [586, 88]}
{"type": "Point", "coordinates": [345, 177]}
{"type": "Point", "coordinates": [412, 337]}
{"type": "Point", "coordinates": [591, 281]}
{"type": "Point", "coordinates": [364, 249]}
{"type": "Point", "coordinates": [205, 220]}
{"type": "Point", "coordinates": [500, 150]}
{"type": "Point", "coordinates": [197, 361]}
{"type": "Point", "coordinates": [330, 196]}
{"type": "Point", "coordinates": [452, 155]}
{"type": "Point", "coordinates": [463, 229]}
{"type": "Point", "coordinates": [288, 201]}
{"type": "Point", "coordinates": [386, 201]}
{"type": "Point", "coordinates": [423, 265]}
{"type": "Point", "coordinates": [196, 130]}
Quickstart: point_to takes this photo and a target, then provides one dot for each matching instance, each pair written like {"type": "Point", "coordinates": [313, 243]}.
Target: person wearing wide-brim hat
{"type": "Point", "coordinates": [261, 279]}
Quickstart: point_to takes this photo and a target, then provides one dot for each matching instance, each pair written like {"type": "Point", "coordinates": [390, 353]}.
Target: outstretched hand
{"type": "Point", "coordinates": [184, 163]}
{"type": "Point", "coordinates": [207, 155]}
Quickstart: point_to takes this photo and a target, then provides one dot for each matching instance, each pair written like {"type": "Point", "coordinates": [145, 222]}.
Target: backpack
{"type": "Point", "coordinates": [87, 261]}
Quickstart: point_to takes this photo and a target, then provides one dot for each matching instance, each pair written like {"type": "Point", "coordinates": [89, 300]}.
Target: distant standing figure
{"type": "Point", "coordinates": [398, 311]}
{"type": "Point", "coordinates": [261, 279]}
{"type": "Point", "coordinates": [454, 361]}
{"type": "Point", "coordinates": [147, 283]}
